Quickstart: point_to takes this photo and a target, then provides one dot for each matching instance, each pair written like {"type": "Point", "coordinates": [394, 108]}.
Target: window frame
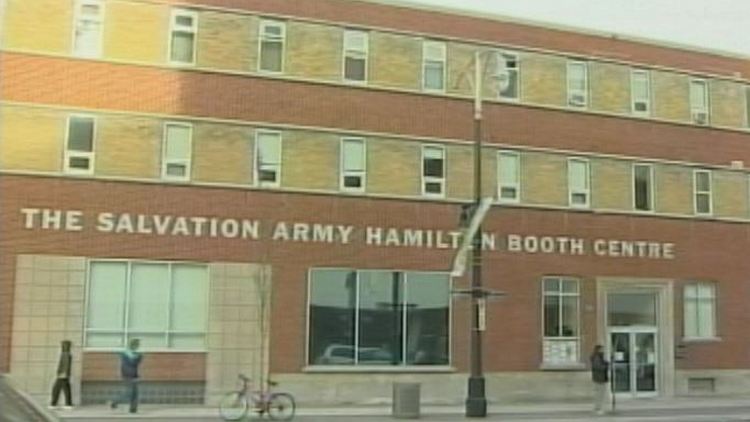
{"type": "Point", "coordinates": [517, 70]}
{"type": "Point", "coordinates": [68, 154]}
{"type": "Point", "coordinates": [175, 28]}
{"type": "Point", "coordinates": [343, 172]}
{"type": "Point", "coordinates": [262, 38]}
{"type": "Point", "coordinates": [634, 73]}
{"type": "Point", "coordinates": [365, 52]}
{"type": "Point", "coordinates": [77, 16]}
{"type": "Point", "coordinates": [560, 294]}
{"type": "Point", "coordinates": [713, 300]}
{"type": "Point", "coordinates": [586, 191]}
{"type": "Point", "coordinates": [165, 161]}
{"type": "Point", "coordinates": [433, 179]}
{"type": "Point", "coordinates": [651, 187]}
{"type": "Point", "coordinates": [256, 158]}
{"type": "Point", "coordinates": [443, 61]}
{"type": "Point", "coordinates": [571, 92]}
{"type": "Point", "coordinates": [706, 109]}
{"type": "Point", "coordinates": [501, 184]}
{"type": "Point", "coordinates": [696, 193]}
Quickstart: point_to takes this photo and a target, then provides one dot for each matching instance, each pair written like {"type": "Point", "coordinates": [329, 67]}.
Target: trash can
{"type": "Point", "coordinates": [406, 400]}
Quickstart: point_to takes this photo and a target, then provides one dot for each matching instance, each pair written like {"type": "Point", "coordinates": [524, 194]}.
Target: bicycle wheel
{"type": "Point", "coordinates": [281, 407]}
{"type": "Point", "coordinates": [233, 406]}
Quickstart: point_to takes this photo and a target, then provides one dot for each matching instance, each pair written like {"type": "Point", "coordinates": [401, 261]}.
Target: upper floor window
{"type": "Point", "coordinates": [699, 310]}
{"type": "Point", "coordinates": [433, 170]}
{"type": "Point", "coordinates": [640, 92]}
{"type": "Point", "coordinates": [353, 164]}
{"type": "Point", "coordinates": [177, 151]}
{"type": "Point", "coordinates": [560, 307]}
{"type": "Point", "coordinates": [643, 187]}
{"type": "Point", "coordinates": [268, 158]}
{"type": "Point", "coordinates": [702, 192]}
{"type": "Point", "coordinates": [272, 39]}
{"type": "Point", "coordinates": [87, 30]}
{"type": "Point", "coordinates": [510, 90]}
{"type": "Point", "coordinates": [79, 145]}
{"type": "Point", "coordinates": [182, 37]}
{"type": "Point", "coordinates": [699, 101]}
{"type": "Point", "coordinates": [355, 56]}
{"type": "Point", "coordinates": [509, 175]}
{"type": "Point", "coordinates": [578, 84]}
{"type": "Point", "coordinates": [578, 183]}
{"type": "Point", "coordinates": [433, 66]}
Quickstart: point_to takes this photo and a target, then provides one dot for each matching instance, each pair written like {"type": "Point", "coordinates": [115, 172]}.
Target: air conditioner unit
{"type": "Point", "coordinates": [640, 107]}
{"type": "Point", "coordinates": [700, 117]}
{"type": "Point", "coordinates": [577, 99]}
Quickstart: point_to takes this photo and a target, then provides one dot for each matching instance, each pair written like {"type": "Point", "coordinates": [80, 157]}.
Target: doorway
{"type": "Point", "coordinates": [634, 358]}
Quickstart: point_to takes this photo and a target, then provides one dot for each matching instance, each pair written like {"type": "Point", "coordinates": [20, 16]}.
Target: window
{"type": "Point", "coordinates": [640, 91]}
{"type": "Point", "coordinates": [699, 101]}
{"type": "Point", "coordinates": [165, 305]}
{"type": "Point", "coordinates": [378, 318]}
{"type": "Point", "coordinates": [643, 187]}
{"type": "Point", "coordinates": [87, 30]}
{"type": "Point", "coordinates": [510, 92]}
{"type": "Point", "coordinates": [578, 183]}
{"type": "Point", "coordinates": [702, 190]}
{"type": "Point", "coordinates": [272, 39]}
{"type": "Point", "coordinates": [578, 84]}
{"type": "Point", "coordinates": [182, 37]}
{"type": "Point", "coordinates": [433, 170]}
{"type": "Point", "coordinates": [353, 164]}
{"type": "Point", "coordinates": [433, 66]}
{"type": "Point", "coordinates": [268, 158]}
{"type": "Point", "coordinates": [509, 174]}
{"type": "Point", "coordinates": [560, 305]}
{"type": "Point", "coordinates": [177, 150]}
{"type": "Point", "coordinates": [700, 310]}
{"type": "Point", "coordinates": [355, 56]}
{"type": "Point", "coordinates": [79, 145]}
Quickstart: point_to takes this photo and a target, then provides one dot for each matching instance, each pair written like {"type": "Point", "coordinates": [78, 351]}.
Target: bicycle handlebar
{"type": "Point", "coordinates": [247, 379]}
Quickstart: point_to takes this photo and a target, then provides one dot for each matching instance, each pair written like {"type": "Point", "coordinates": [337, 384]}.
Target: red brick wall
{"type": "Point", "coordinates": [99, 366]}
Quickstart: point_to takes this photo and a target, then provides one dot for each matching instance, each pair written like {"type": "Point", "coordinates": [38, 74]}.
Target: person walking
{"type": "Point", "coordinates": [600, 377]}
{"type": "Point", "coordinates": [62, 381]}
{"type": "Point", "coordinates": [130, 360]}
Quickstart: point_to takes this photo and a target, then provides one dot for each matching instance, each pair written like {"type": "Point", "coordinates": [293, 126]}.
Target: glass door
{"type": "Point", "coordinates": [633, 356]}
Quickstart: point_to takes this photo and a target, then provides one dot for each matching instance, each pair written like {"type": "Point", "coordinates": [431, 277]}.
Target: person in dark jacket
{"type": "Point", "coordinates": [600, 377]}
{"type": "Point", "coordinates": [130, 360]}
{"type": "Point", "coordinates": [62, 381]}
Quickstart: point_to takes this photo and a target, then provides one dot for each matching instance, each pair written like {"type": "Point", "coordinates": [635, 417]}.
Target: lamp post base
{"type": "Point", "coordinates": [476, 402]}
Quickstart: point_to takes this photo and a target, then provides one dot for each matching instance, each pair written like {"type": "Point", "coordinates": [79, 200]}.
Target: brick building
{"type": "Point", "coordinates": [273, 187]}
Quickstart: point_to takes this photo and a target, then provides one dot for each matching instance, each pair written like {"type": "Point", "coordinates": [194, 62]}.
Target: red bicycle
{"type": "Point", "coordinates": [277, 405]}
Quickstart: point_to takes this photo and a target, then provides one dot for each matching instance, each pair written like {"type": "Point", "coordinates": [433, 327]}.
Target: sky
{"type": "Point", "coordinates": [714, 24]}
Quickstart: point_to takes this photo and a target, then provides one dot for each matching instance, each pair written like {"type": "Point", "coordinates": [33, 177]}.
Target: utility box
{"type": "Point", "coordinates": [406, 400]}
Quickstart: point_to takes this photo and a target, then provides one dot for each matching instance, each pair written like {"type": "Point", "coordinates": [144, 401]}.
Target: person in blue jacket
{"type": "Point", "coordinates": [130, 360]}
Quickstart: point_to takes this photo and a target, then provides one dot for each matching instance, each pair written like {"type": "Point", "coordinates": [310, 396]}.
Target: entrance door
{"type": "Point", "coordinates": [633, 355]}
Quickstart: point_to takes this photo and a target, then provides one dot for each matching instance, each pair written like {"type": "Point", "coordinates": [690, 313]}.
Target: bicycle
{"type": "Point", "coordinates": [236, 405]}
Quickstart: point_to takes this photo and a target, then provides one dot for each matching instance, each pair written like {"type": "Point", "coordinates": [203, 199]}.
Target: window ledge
{"type": "Point", "coordinates": [694, 340]}
{"type": "Point", "coordinates": [578, 366]}
{"type": "Point", "coordinates": [368, 369]}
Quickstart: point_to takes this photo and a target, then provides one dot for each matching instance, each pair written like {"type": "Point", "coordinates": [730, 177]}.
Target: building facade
{"type": "Point", "coordinates": [274, 188]}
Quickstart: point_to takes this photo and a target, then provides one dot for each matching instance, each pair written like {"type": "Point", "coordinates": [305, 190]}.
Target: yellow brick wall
{"type": "Point", "coordinates": [227, 41]}
{"type": "Point", "coordinates": [128, 146]}
{"type": "Point", "coordinates": [393, 167]}
{"type": "Point", "coordinates": [310, 160]}
{"type": "Point", "coordinates": [674, 189]}
{"type": "Point", "coordinates": [314, 51]}
{"type": "Point", "coordinates": [543, 80]}
{"type": "Point", "coordinates": [610, 87]}
{"type": "Point", "coordinates": [460, 68]}
{"type": "Point", "coordinates": [395, 60]}
{"type": "Point", "coordinates": [671, 96]}
{"type": "Point", "coordinates": [136, 31]}
{"type": "Point", "coordinates": [222, 153]}
{"type": "Point", "coordinates": [730, 194]}
{"type": "Point", "coordinates": [544, 179]}
{"type": "Point", "coordinates": [460, 171]}
{"type": "Point", "coordinates": [31, 139]}
{"type": "Point", "coordinates": [611, 184]}
{"type": "Point", "coordinates": [727, 103]}
{"type": "Point", "coordinates": [39, 25]}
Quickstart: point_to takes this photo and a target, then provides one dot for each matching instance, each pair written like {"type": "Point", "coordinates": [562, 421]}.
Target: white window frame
{"type": "Point", "coordinates": [560, 294]}
{"type": "Point", "coordinates": [651, 187]}
{"type": "Point", "coordinates": [517, 70]}
{"type": "Point", "coordinates": [276, 166]}
{"type": "Point", "coordinates": [348, 34]}
{"type": "Point", "coordinates": [78, 16]}
{"type": "Point", "coordinates": [586, 191]}
{"type": "Point", "coordinates": [572, 92]}
{"type": "Point", "coordinates": [68, 154]}
{"type": "Point", "coordinates": [427, 45]}
{"type": "Point", "coordinates": [712, 299]}
{"type": "Point", "coordinates": [165, 161]}
{"type": "Point", "coordinates": [343, 172]}
{"type": "Point", "coordinates": [175, 28]}
{"type": "Point", "coordinates": [696, 193]}
{"type": "Point", "coordinates": [700, 115]}
{"type": "Point", "coordinates": [504, 184]}
{"type": "Point", "coordinates": [432, 179]}
{"type": "Point", "coordinates": [262, 37]}
{"type": "Point", "coordinates": [634, 73]}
